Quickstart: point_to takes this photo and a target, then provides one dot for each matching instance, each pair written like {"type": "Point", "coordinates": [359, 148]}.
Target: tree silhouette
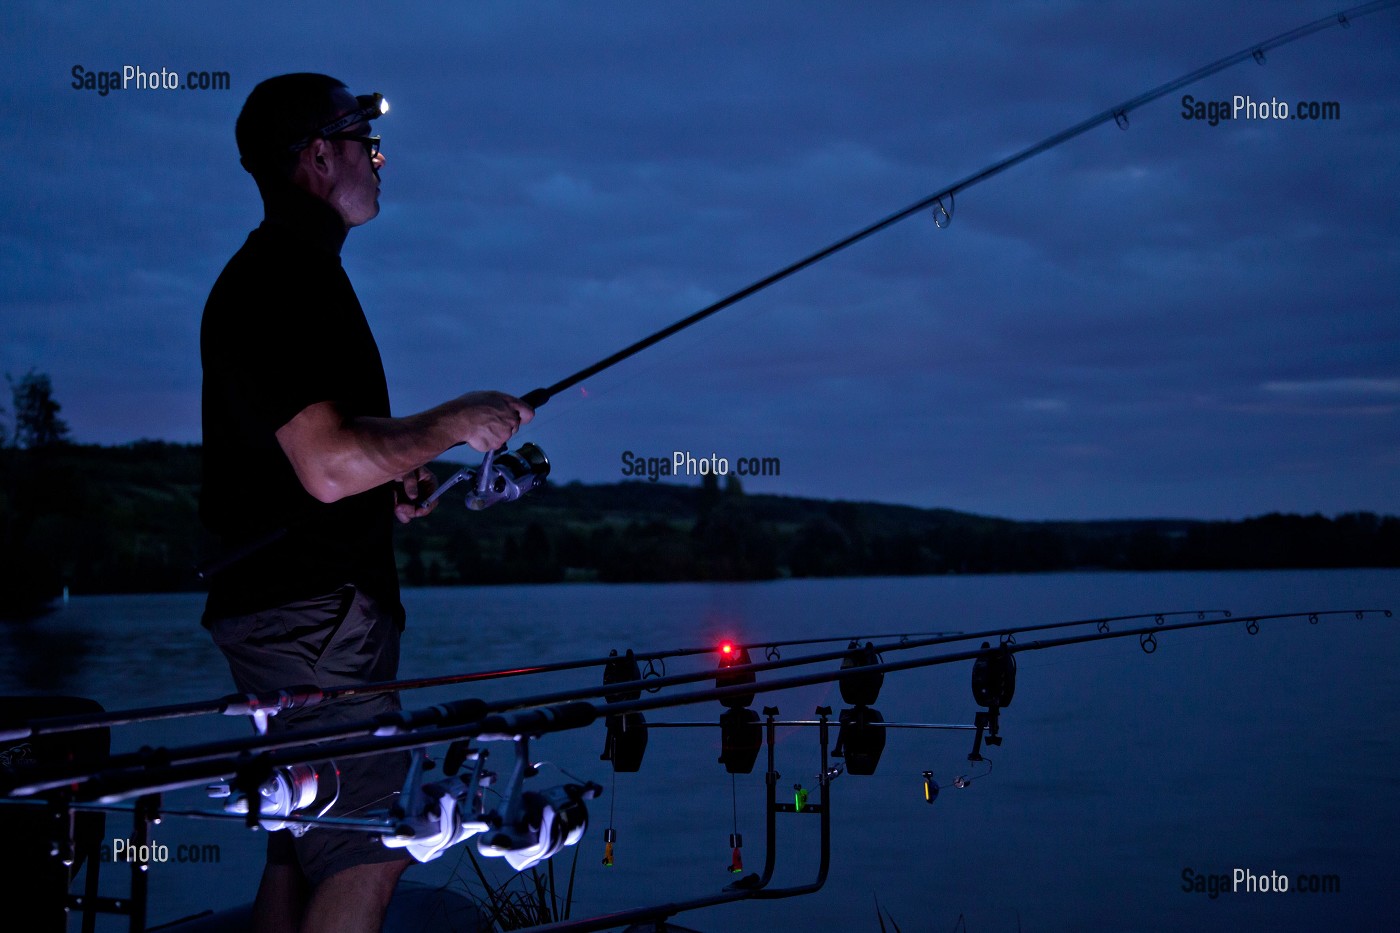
{"type": "Point", "coordinates": [37, 424]}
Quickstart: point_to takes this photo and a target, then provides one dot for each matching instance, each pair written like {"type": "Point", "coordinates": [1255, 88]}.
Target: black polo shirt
{"type": "Point", "coordinates": [282, 330]}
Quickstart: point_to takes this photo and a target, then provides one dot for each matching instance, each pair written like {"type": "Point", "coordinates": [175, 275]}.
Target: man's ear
{"type": "Point", "coordinates": [316, 166]}
{"type": "Point", "coordinates": [318, 156]}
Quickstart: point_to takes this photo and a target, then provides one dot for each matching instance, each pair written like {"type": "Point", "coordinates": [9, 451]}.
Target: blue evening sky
{"type": "Point", "coordinates": [1177, 320]}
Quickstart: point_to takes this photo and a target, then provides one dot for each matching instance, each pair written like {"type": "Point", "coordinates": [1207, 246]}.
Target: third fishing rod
{"type": "Point", "coordinates": [293, 696]}
{"type": "Point", "coordinates": [445, 714]}
{"type": "Point", "coordinates": [538, 715]}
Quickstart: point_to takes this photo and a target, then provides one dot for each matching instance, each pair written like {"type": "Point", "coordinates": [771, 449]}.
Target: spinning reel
{"type": "Point", "coordinates": [287, 790]}
{"type": "Point", "coordinates": [503, 476]}
{"type": "Point", "coordinates": [528, 828]}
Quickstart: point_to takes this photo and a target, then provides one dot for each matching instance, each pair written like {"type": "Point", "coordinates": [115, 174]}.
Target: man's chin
{"type": "Point", "coordinates": [367, 217]}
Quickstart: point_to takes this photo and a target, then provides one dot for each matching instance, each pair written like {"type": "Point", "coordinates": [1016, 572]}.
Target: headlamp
{"type": "Point", "coordinates": [369, 107]}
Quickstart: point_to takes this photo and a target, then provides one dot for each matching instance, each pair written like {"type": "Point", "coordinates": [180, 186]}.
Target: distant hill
{"type": "Point", "coordinates": [124, 519]}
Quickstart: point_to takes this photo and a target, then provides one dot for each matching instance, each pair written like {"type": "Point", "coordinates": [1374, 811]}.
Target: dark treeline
{"type": "Point", "coordinates": [124, 519]}
{"type": "Point", "coordinates": [97, 520]}
{"type": "Point", "coordinates": [632, 532]}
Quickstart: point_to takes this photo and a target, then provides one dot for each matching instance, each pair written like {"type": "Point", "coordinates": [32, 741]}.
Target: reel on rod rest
{"type": "Point", "coordinates": [285, 792]}
{"type": "Point", "coordinates": [503, 476]}
{"type": "Point", "coordinates": [532, 826]}
{"type": "Point", "coordinates": [434, 817]}
{"type": "Point", "coordinates": [526, 829]}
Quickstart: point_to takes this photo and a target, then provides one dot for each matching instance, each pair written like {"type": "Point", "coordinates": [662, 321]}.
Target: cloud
{"type": "Point", "coordinates": [1334, 387]}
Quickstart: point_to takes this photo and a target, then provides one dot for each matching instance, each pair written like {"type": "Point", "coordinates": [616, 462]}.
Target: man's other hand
{"type": "Point", "coordinates": [412, 488]}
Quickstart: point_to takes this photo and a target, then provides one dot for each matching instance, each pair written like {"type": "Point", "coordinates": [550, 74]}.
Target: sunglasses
{"type": "Point", "coordinates": [371, 143]}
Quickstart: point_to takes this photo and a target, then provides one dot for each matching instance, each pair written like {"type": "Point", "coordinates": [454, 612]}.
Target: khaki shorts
{"type": "Point", "coordinates": [341, 639]}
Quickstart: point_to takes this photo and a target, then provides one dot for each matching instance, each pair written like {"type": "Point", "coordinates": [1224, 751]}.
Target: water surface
{"type": "Point", "coordinates": [1275, 753]}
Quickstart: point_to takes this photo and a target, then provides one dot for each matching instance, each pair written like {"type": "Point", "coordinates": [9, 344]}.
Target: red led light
{"type": "Point", "coordinates": [726, 648]}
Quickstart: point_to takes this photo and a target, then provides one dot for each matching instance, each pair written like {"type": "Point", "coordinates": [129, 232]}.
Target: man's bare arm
{"type": "Point", "coordinates": [335, 456]}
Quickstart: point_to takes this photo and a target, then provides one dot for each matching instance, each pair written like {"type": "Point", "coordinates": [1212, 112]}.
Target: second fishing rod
{"type": "Point", "coordinates": [444, 715]}
{"type": "Point", "coordinates": [292, 696]}
{"type": "Point", "coordinates": [563, 711]}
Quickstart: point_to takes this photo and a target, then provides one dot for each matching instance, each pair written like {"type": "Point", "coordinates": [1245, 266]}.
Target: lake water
{"type": "Point", "coordinates": [1275, 753]}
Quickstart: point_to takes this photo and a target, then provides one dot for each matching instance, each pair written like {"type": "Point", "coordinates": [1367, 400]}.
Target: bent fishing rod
{"type": "Point", "coordinates": [168, 769]}
{"type": "Point", "coordinates": [504, 476]}
{"type": "Point", "coordinates": [490, 483]}
{"type": "Point", "coordinates": [1118, 113]}
{"type": "Point", "coordinates": [259, 706]}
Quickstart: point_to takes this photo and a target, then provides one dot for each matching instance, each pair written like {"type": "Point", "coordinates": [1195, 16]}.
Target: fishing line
{"type": "Point", "coordinates": [734, 798]}
{"type": "Point", "coordinates": [610, 832]}
{"type": "Point", "coordinates": [561, 769]}
{"type": "Point", "coordinates": [736, 841]}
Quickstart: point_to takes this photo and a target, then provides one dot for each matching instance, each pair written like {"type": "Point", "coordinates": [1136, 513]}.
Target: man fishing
{"type": "Point", "coordinates": [305, 470]}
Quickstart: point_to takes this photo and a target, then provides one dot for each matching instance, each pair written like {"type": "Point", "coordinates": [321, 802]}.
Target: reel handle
{"type": "Point", "coordinates": [483, 472]}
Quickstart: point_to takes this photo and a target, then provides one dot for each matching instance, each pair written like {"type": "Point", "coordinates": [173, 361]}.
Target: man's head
{"type": "Point", "coordinates": [307, 132]}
